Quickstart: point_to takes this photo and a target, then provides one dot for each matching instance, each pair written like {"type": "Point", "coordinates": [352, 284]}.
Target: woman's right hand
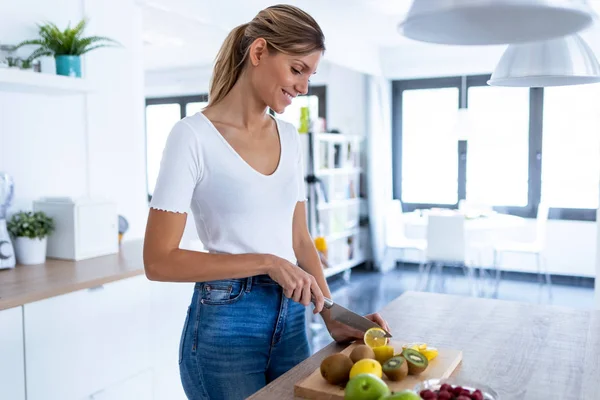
{"type": "Point", "coordinates": [297, 284]}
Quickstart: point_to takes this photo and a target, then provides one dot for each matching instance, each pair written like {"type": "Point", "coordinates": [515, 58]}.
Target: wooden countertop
{"type": "Point", "coordinates": [29, 283]}
{"type": "Point", "coordinates": [523, 351]}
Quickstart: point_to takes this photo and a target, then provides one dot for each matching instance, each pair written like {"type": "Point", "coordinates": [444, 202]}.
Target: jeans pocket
{"type": "Point", "coordinates": [222, 292]}
{"type": "Point", "coordinates": [184, 334]}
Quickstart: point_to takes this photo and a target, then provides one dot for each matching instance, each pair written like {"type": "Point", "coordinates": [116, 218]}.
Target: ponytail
{"type": "Point", "coordinates": [229, 64]}
{"type": "Point", "coordinates": [286, 29]}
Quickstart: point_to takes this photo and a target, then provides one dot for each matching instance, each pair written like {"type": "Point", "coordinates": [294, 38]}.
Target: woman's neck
{"type": "Point", "coordinates": [241, 108]}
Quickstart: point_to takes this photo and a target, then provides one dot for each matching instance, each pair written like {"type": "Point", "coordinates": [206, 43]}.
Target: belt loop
{"type": "Point", "coordinates": [248, 284]}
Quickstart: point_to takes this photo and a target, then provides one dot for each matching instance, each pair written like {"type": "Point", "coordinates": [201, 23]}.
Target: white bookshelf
{"type": "Point", "coordinates": [16, 80]}
{"type": "Point", "coordinates": [337, 163]}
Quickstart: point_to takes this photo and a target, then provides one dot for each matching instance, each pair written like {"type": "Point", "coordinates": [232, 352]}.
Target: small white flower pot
{"type": "Point", "coordinates": [30, 251]}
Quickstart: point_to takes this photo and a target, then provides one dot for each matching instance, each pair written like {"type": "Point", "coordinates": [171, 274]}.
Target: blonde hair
{"type": "Point", "coordinates": [286, 29]}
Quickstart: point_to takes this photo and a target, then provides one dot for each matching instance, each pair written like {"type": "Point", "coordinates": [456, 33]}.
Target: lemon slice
{"type": "Point", "coordinates": [375, 337]}
{"type": "Point", "coordinates": [430, 353]}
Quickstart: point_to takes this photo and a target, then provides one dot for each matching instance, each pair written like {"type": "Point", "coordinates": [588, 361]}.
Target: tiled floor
{"type": "Point", "coordinates": [369, 291]}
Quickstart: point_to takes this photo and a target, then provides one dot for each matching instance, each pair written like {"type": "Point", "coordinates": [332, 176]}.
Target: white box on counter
{"type": "Point", "coordinates": [85, 228]}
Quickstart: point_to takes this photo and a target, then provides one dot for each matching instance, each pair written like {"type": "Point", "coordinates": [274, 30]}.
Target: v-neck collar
{"type": "Point", "coordinates": [215, 130]}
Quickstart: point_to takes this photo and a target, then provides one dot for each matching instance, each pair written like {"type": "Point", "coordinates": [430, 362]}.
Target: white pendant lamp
{"type": "Point", "coordinates": [557, 62]}
{"type": "Point", "coordinates": [491, 22]}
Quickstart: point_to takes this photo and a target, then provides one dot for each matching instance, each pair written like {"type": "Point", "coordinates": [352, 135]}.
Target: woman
{"type": "Point", "coordinates": [240, 171]}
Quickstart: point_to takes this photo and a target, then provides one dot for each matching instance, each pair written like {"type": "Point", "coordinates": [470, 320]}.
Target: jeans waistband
{"type": "Point", "coordinates": [247, 283]}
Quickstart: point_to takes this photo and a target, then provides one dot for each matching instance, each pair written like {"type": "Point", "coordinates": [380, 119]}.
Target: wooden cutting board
{"type": "Point", "coordinates": [317, 388]}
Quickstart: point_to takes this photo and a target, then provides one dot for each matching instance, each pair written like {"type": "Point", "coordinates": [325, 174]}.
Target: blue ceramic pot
{"type": "Point", "coordinates": [68, 66]}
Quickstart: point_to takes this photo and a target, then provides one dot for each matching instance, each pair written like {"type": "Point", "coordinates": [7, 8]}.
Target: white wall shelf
{"type": "Point", "coordinates": [339, 171]}
{"type": "Point", "coordinates": [341, 235]}
{"type": "Point", "coordinates": [15, 80]}
{"type": "Point", "coordinates": [337, 163]}
{"type": "Point", "coordinates": [339, 203]}
{"type": "Point", "coordinates": [343, 266]}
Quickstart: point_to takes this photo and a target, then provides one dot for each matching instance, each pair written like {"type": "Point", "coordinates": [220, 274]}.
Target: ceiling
{"type": "Point", "coordinates": [360, 34]}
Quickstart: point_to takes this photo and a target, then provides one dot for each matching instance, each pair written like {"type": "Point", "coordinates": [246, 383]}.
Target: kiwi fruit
{"type": "Point", "coordinates": [396, 368]}
{"type": "Point", "coordinates": [336, 368]}
{"type": "Point", "coordinates": [362, 351]}
{"type": "Point", "coordinates": [416, 361]}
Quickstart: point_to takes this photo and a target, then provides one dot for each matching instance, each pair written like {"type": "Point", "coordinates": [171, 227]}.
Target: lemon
{"type": "Point", "coordinates": [366, 366]}
{"type": "Point", "coordinates": [430, 353]}
{"type": "Point", "coordinates": [383, 353]}
{"type": "Point", "coordinates": [375, 337]}
{"type": "Point", "coordinates": [321, 244]}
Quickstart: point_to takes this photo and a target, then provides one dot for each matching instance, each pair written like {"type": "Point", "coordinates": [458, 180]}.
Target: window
{"type": "Point", "coordinates": [498, 146]}
{"type": "Point", "coordinates": [160, 118]}
{"type": "Point", "coordinates": [522, 145]}
{"type": "Point", "coordinates": [161, 115]}
{"type": "Point", "coordinates": [196, 107]}
{"type": "Point", "coordinates": [429, 156]}
{"type": "Point", "coordinates": [571, 147]}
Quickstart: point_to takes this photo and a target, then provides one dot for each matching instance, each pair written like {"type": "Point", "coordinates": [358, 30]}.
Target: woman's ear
{"type": "Point", "coordinates": [258, 50]}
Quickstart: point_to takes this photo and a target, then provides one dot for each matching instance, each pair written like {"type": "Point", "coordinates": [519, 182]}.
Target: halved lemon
{"type": "Point", "coordinates": [375, 337]}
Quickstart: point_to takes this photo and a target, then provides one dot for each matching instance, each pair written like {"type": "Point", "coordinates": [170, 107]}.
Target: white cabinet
{"type": "Point", "coordinates": [86, 341]}
{"type": "Point", "coordinates": [138, 387]}
{"type": "Point", "coordinates": [12, 358]}
{"type": "Point", "coordinates": [169, 308]}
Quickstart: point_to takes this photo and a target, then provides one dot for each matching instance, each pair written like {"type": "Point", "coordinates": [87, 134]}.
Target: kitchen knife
{"type": "Point", "coordinates": [350, 318]}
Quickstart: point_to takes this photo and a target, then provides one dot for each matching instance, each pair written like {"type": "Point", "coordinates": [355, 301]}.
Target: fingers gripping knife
{"type": "Point", "coordinates": [350, 318]}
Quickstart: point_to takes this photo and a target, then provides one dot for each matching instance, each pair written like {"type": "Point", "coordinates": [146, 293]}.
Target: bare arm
{"type": "Point", "coordinates": [165, 261]}
{"type": "Point", "coordinates": [308, 258]}
{"type": "Point", "coordinates": [306, 253]}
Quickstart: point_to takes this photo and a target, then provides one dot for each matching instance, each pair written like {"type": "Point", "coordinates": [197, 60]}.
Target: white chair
{"type": "Point", "coordinates": [534, 248]}
{"type": "Point", "coordinates": [446, 245]}
{"type": "Point", "coordinates": [395, 235]}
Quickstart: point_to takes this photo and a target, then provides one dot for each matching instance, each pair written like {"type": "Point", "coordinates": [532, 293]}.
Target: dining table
{"type": "Point", "coordinates": [520, 350]}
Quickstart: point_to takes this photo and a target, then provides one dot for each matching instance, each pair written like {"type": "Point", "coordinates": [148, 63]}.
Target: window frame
{"type": "Point", "coordinates": [536, 116]}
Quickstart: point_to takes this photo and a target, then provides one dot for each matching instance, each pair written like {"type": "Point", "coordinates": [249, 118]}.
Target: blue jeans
{"type": "Point", "coordinates": [239, 335]}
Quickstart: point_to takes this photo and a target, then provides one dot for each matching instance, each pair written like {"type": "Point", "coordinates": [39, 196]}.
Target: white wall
{"type": "Point", "coordinates": [79, 145]}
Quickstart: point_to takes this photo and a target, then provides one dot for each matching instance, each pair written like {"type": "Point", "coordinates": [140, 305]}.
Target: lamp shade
{"type": "Point", "coordinates": [557, 62]}
{"type": "Point", "coordinates": [493, 22]}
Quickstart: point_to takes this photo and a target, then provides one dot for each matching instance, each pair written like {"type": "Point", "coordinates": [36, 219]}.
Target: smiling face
{"type": "Point", "coordinates": [277, 77]}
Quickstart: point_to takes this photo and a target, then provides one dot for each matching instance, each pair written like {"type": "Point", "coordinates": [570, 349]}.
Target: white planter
{"type": "Point", "coordinates": [30, 251]}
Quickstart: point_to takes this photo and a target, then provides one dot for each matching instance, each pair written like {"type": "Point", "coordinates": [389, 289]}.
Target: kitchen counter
{"type": "Point", "coordinates": [523, 351]}
{"type": "Point", "coordinates": [29, 283]}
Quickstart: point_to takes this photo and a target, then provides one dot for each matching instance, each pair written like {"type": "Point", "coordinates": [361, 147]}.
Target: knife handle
{"type": "Point", "coordinates": [327, 304]}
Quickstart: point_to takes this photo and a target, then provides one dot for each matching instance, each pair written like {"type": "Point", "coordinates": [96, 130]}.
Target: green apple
{"type": "Point", "coordinates": [365, 387]}
{"type": "Point", "coordinates": [403, 395]}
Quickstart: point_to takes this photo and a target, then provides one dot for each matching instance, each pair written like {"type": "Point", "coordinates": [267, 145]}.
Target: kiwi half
{"type": "Point", "coordinates": [336, 368]}
{"type": "Point", "coordinates": [396, 368]}
{"type": "Point", "coordinates": [362, 351]}
{"type": "Point", "coordinates": [416, 361]}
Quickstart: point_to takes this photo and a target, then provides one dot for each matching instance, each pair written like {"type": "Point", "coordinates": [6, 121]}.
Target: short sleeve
{"type": "Point", "coordinates": [180, 170]}
{"type": "Point", "coordinates": [300, 174]}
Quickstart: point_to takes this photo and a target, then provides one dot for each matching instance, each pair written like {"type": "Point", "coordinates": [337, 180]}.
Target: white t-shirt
{"type": "Point", "coordinates": [236, 209]}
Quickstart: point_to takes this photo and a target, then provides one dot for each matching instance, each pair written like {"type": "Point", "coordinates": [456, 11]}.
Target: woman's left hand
{"type": "Point", "coordinates": [342, 333]}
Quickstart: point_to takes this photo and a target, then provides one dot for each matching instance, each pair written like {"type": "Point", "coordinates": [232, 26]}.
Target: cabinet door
{"type": "Point", "coordinates": [138, 387]}
{"type": "Point", "coordinates": [169, 308]}
{"type": "Point", "coordinates": [85, 341]}
{"type": "Point", "coordinates": [12, 357]}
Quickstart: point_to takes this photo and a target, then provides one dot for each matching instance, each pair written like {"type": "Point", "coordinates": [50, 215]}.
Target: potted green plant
{"type": "Point", "coordinates": [66, 46]}
{"type": "Point", "coordinates": [30, 231]}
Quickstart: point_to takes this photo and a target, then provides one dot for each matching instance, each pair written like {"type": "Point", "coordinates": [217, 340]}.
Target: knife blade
{"type": "Point", "coordinates": [350, 318]}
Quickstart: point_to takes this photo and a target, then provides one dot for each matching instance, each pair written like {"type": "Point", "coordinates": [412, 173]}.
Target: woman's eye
{"type": "Point", "coordinates": [295, 71]}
